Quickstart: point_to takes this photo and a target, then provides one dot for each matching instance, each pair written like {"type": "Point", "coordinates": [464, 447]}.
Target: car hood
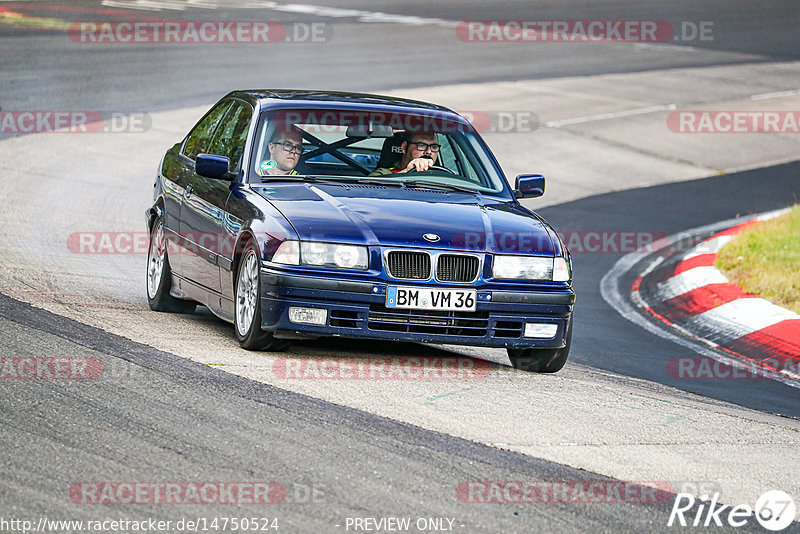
{"type": "Point", "coordinates": [400, 217]}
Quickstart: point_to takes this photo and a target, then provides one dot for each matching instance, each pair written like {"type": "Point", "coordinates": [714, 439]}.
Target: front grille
{"type": "Point", "coordinates": [409, 265]}
{"type": "Point", "coordinates": [344, 319]}
{"type": "Point", "coordinates": [508, 329]}
{"type": "Point", "coordinates": [452, 323]}
{"type": "Point", "coordinates": [456, 268]}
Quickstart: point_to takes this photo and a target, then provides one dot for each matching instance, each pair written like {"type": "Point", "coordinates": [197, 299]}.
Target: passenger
{"type": "Point", "coordinates": [419, 153]}
{"type": "Point", "coordinates": [285, 148]}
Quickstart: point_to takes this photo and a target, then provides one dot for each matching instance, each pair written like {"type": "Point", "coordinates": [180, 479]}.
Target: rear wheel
{"type": "Point", "coordinates": [541, 360]}
{"type": "Point", "coordinates": [159, 275]}
{"type": "Point", "coordinates": [247, 316]}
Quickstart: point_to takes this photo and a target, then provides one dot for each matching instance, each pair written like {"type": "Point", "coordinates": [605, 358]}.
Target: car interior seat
{"type": "Point", "coordinates": [391, 152]}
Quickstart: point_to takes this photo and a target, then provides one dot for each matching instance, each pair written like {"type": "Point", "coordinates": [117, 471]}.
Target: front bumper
{"type": "Point", "coordinates": [357, 309]}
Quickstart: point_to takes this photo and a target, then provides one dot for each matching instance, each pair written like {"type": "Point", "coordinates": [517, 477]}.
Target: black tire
{"type": "Point", "coordinates": [541, 360]}
{"type": "Point", "coordinates": [159, 274]}
{"type": "Point", "coordinates": [247, 306]}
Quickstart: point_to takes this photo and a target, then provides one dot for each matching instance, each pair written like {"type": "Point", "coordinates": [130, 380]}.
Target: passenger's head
{"type": "Point", "coordinates": [419, 145]}
{"type": "Point", "coordinates": [285, 147]}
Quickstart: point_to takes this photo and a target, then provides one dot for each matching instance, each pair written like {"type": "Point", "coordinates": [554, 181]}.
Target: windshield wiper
{"type": "Point", "coordinates": [353, 180]}
{"type": "Point", "coordinates": [328, 178]}
{"type": "Point", "coordinates": [439, 185]}
{"type": "Point", "coordinates": [287, 178]}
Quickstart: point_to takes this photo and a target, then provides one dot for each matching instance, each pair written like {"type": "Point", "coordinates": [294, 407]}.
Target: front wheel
{"type": "Point", "coordinates": [159, 275]}
{"type": "Point", "coordinates": [541, 360]}
{"type": "Point", "coordinates": [247, 316]}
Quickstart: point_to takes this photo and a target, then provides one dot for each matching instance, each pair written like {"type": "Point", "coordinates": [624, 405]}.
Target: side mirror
{"type": "Point", "coordinates": [212, 166]}
{"type": "Point", "coordinates": [529, 186]}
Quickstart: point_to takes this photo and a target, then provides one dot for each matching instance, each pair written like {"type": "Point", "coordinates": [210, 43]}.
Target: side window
{"type": "Point", "coordinates": [446, 156]}
{"type": "Point", "coordinates": [471, 167]}
{"type": "Point", "coordinates": [200, 138]}
{"type": "Point", "coordinates": [231, 136]}
{"type": "Point", "coordinates": [451, 148]}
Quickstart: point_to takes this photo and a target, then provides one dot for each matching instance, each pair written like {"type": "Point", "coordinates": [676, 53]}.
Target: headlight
{"type": "Point", "coordinates": [332, 255]}
{"type": "Point", "coordinates": [322, 255]}
{"type": "Point", "coordinates": [288, 253]}
{"type": "Point", "coordinates": [561, 270]}
{"type": "Point", "coordinates": [350, 257]}
{"type": "Point", "coordinates": [522, 267]}
{"type": "Point", "coordinates": [314, 253]}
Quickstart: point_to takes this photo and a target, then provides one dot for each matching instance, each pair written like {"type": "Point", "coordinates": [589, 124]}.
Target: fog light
{"type": "Point", "coordinates": [307, 315]}
{"type": "Point", "coordinates": [541, 330]}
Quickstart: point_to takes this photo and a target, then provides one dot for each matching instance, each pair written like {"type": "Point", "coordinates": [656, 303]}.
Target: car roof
{"type": "Point", "coordinates": [304, 98]}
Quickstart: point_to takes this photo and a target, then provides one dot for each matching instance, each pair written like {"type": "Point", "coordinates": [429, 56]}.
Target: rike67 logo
{"type": "Point", "coordinates": [774, 510]}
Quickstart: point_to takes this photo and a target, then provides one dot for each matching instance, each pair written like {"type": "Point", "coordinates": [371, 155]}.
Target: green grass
{"type": "Point", "coordinates": [765, 260]}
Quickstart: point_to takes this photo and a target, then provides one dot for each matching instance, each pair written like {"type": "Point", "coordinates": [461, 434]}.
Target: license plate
{"type": "Point", "coordinates": [423, 298]}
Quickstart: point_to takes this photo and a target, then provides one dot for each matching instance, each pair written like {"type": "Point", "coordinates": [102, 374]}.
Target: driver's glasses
{"type": "Point", "coordinates": [422, 147]}
{"type": "Point", "coordinates": [291, 147]}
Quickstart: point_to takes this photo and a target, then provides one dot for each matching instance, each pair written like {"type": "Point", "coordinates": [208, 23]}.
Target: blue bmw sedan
{"type": "Point", "coordinates": [296, 214]}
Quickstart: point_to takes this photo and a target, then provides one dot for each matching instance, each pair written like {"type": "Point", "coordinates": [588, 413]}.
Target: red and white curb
{"type": "Point", "coordinates": [696, 299]}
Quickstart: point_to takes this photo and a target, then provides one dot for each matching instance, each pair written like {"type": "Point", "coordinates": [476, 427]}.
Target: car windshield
{"type": "Point", "coordinates": [365, 146]}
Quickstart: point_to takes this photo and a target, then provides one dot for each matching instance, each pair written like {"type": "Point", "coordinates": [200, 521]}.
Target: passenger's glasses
{"type": "Point", "coordinates": [291, 147]}
{"type": "Point", "coordinates": [422, 147]}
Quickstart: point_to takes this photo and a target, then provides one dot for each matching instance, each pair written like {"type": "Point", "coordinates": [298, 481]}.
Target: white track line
{"type": "Point", "coordinates": [777, 94]}
{"type": "Point", "coordinates": [616, 114]}
{"type": "Point", "coordinates": [305, 9]}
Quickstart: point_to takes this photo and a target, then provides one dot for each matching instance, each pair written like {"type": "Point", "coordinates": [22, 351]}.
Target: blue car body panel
{"type": "Point", "coordinates": [392, 216]}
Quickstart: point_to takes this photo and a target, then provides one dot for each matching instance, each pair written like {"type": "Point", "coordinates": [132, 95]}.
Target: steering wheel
{"type": "Point", "coordinates": [432, 168]}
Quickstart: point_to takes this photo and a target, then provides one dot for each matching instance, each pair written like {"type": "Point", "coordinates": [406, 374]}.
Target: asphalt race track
{"type": "Point", "coordinates": [179, 402]}
{"type": "Point", "coordinates": [364, 56]}
{"type": "Point", "coordinates": [688, 208]}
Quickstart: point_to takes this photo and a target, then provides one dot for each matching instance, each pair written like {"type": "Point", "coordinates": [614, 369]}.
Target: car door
{"type": "Point", "coordinates": [203, 210]}
{"type": "Point", "coordinates": [181, 171]}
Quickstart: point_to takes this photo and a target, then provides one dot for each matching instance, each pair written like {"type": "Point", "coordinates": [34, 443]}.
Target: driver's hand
{"type": "Point", "coordinates": [419, 165]}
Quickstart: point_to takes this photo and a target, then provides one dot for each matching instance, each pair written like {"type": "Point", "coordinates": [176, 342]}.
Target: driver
{"type": "Point", "coordinates": [285, 148]}
{"type": "Point", "coordinates": [419, 154]}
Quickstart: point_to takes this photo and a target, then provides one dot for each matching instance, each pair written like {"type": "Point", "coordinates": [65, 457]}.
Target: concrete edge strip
{"type": "Point", "coordinates": [629, 303]}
